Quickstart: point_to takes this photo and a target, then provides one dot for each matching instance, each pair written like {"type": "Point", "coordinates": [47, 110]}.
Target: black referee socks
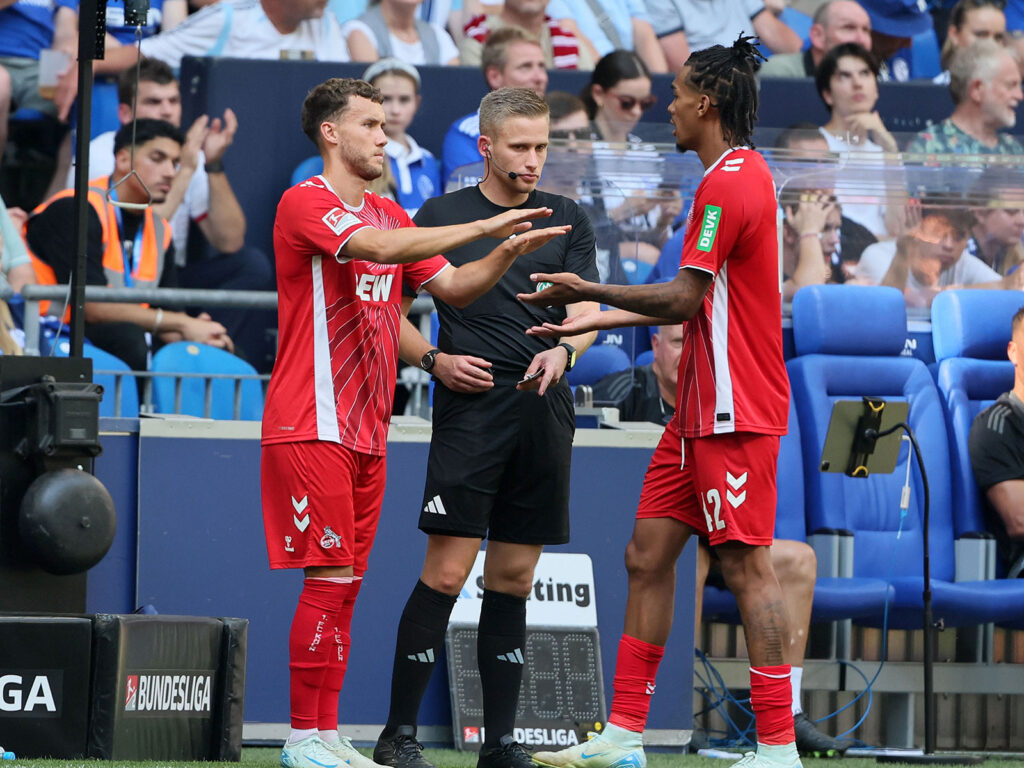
{"type": "Point", "coordinates": [420, 637]}
{"type": "Point", "coordinates": [501, 648]}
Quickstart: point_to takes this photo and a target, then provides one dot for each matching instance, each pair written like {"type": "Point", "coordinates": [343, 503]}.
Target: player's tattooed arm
{"type": "Point", "coordinates": [672, 302]}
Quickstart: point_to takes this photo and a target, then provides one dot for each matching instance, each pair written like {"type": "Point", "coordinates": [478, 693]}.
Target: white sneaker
{"type": "Point", "coordinates": [597, 752]}
{"type": "Point", "coordinates": [344, 751]}
{"type": "Point", "coordinates": [770, 756]}
{"type": "Point", "coordinates": [311, 752]}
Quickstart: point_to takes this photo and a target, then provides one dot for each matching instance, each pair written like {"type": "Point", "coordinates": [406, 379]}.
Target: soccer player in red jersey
{"type": "Point", "coordinates": [342, 255]}
{"type": "Point", "coordinates": [714, 470]}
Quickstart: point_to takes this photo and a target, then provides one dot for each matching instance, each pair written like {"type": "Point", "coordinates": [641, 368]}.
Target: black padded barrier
{"type": "Point", "coordinates": [44, 685]}
{"type": "Point", "coordinates": [167, 688]}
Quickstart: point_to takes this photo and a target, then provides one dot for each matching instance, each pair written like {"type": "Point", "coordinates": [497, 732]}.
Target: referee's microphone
{"type": "Point", "coordinates": [511, 174]}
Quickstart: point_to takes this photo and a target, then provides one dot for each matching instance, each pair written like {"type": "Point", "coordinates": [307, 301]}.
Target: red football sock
{"type": "Point", "coordinates": [308, 643]}
{"type": "Point", "coordinates": [771, 697]}
{"type": "Point", "coordinates": [635, 671]}
{"type": "Point", "coordinates": [327, 711]}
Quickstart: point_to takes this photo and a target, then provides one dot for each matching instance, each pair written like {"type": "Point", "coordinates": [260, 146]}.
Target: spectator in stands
{"type": "Point", "coordinates": [618, 94]}
{"type": "Point", "coordinates": [693, 25]}
{"type": "Point", "coordinates": [847, 82]}
{"type": "Point", "coordinates": [648, 393]}
{"type": "Point", "coordinates": [996, 446]}
{"type": "Point", "coordinates": [810, 239]}
{"type": "Point", "coordinates": [971, 20]}
{"type": "Point", "coordinates": [894, 23]}
{"type": "Point", "coordinates": [932, 257]}
{"type": "Point", "coordinates": [835, 22]}
{"type": "Point", "coordinates": [416, 172]}
{"type": "Point", "coordinates": [806, 145]}
{"type": "Point", "coordinates": [564, 47]}
{"type": "Point", "coordinates": [613, 24]}
{"type": "Point", "coordinates": [569, 118]}
{"type": "Point", "coordinates": [998, 208]}
{"type": "Point", "coordinates": [122, 329]}
{"type": "Point", "coordinates": [207, 222]}
{"type": "Point", "coordinates": [446, 13]}
{"type": "Point", "coordinates": [15, 263]}
{"type": "Point", "coordinates": [985, 83]}
{"type": "Point", "coordinates": [250, 29]}
{"type": "Point", "coordinates": [389, 28]}
{"type": "Point", "coordinates": [511, 58]}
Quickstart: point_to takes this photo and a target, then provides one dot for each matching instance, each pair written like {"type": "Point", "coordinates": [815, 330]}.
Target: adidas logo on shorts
{"type": "Point", "coordinates": [435, 507]}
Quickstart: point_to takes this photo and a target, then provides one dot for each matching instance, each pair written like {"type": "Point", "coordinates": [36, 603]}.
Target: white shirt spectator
{"type": "Point", "coordinates": [240, 29]}
{"type": "Point", "coordinates": [194, 206]}
{"type": "Point", "coordinates": [875, 260]}
{"type": "Point", "coordinates": [411, 53]}
{"type": "Point", "coordinates": [706, 22]}
{"type": "Point", "coordinates": [620, 15]}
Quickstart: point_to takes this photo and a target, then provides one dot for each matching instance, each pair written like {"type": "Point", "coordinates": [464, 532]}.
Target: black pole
{"type": "Point", "coordinates": [91, 31]}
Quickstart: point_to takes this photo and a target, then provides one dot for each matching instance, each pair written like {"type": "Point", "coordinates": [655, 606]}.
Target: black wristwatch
{"type": "Point", "coordinates": [214, 166]}
{"type": "Point", "coordinates": [571, 350]}
{"type": "Point", "coordinates": [427, 361]}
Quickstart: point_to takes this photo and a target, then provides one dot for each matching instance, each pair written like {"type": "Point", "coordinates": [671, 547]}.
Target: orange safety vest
{"type": "Point", "coordinates": [156, 239]}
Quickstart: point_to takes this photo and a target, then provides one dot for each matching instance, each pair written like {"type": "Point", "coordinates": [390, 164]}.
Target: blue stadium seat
{"type": "Point", "coordinates": [191, 357]}
{"type": "Point", "coordinates": [970, 330]}
{"type": "Point", "coordinates": [799, 22]}
{"type": "Point", "coordinates": [598, 361]}
{"type": "Point", "coordinates": [311, 166]}
{"type": "Point", "coordinates": [848, 341]}
{"type": "Point", "coordinates": [925, 56]}
{"type": "Point", "coordinates": [105, 371]}
{"type": "Point", "coordinates": [644, 358]}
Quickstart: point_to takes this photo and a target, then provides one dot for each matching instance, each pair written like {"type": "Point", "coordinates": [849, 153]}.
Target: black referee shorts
{"type": "Point", "coordinates": [499, 465]}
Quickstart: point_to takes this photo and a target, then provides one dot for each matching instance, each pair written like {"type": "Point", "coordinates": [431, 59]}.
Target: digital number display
{"type": "Point", "coordinates": [562, 696]}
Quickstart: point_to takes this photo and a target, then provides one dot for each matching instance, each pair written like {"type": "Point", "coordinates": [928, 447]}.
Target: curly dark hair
{"type": "Point", "coordinates": [330, 99]}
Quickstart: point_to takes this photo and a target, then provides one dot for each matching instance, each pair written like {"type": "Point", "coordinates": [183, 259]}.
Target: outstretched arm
{"type": "Point", "coordinates": [408, 244]}
{"type": "Point", "coordinates": [671, 302]}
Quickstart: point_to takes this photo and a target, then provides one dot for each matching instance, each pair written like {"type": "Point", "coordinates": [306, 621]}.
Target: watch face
{"type": "Point", "coordinates": [427, 361]}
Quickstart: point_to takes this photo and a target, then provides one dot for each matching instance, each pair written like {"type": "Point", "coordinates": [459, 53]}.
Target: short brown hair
{"type": "Point", "coordinates": [1018, 318]}
{"type": "Point", "coordinates": [150, 71]}
{"type": "Point", "coordinates": [495, 50]}
{"type": "Point", "coordinates": [500, 105]}
{"type": "Point", "coordinates": [329, 100]}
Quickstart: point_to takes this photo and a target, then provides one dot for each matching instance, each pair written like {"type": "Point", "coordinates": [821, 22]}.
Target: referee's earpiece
{"type": "Point", "coordinates": [511, 174]}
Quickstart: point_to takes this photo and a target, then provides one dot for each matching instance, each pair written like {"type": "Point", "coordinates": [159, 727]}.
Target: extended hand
{"type": "Point", "coordinates": [220, 136]}
{"type": "Point", "coordinates": [565, 288]}
{"type": "Point", "coordinates": [552, 363]}
{"type": "Point", "coordinates": [513, 222]}
{"type": "Point", "coordinates": [584, 322]}
{"type": "Point", "coordinates": [463, 373]}
{"type": "Point", "coordinates": [534, 239]}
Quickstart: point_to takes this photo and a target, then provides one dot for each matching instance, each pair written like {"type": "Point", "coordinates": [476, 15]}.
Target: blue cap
{"type": "Point", "coordinates": [898, 18]}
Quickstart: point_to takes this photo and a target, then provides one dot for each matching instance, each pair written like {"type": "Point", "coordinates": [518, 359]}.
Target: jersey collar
{"type": "Point", "coordinates": [720, 159]}
{"type": "Point", "coordinates": [348, 207]}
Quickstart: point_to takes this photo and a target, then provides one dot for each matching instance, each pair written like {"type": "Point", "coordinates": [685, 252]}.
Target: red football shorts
{"type": "Point", "coordinates": [722, 486]}
{"type": "Point", "coordinates": [321, 504]}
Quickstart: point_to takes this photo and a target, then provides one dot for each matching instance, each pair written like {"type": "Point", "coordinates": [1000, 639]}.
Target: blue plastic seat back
{"type": "Point", "coordinates": [597, 362]}
{"type": "Point", "coordinates": [790, 521]}
{"type": "Point", "coordinates": [925, 55]}
{"type": "Point", "coordinates": [105, 370]}
{"type": "Point", "coordinates": [311, 166]}
{"type": "Point", "coordinates": [191, 357]}
{"type": "Point", "coordinates": [848, 339]}
{"type": "Point", "coordinates": [973, 323]}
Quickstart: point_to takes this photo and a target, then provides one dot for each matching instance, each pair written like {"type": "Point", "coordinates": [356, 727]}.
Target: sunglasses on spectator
{"type": "Point", "coordinates": [628, 103]}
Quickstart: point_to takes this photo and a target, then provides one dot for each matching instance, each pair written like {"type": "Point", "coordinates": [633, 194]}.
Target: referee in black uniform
{"type": "Point", "coordinates": [499, 453]}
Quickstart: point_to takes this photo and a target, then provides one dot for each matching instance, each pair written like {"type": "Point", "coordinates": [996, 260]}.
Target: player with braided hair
{"type": "Point", "coordinates": [713, 473]}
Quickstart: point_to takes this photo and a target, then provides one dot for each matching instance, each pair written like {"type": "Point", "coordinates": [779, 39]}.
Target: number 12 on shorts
{"type": "Point", "coordinates": [714, 516]}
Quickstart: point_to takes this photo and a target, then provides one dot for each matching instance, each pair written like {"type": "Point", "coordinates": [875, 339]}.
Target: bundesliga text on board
{"type": "Point", "coordinates": [31, 693]}
{"type": "Point", "coordinates": [530, 737]}
{"type": "Point", "coordinates": [181, 693]}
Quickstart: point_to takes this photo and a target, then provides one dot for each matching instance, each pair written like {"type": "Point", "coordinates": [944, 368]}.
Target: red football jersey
{"type": "Point", "coordinates": [732, 377]}
{"type": "Point", "coordinates": [338, 321]}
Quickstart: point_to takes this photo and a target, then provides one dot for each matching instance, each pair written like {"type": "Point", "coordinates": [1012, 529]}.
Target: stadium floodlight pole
{"type": "Point", "coordinates": [92, 30]}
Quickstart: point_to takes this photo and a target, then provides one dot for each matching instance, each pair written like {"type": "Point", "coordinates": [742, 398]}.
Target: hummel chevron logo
{"type": "Point", "coordinates": [426, 656]}
{"type": "Point", "coordinates": [650, 689]}
{"type": "Point", "coordinates": [435, 507]}
{"type": "Point", "coordinates": [735, 484]}
{"type": "Point", "coordinates": [302, 523]}
{"type": "Point", "coordinates": [516, 656]}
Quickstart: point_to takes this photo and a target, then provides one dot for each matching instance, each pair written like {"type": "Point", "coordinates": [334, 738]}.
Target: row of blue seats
{"type": "Point", "coordinates": [849, 342]}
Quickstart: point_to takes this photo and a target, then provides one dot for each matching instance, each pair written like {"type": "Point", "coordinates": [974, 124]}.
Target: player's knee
{"type": "Point", "coordinates": [795, 562]}
{"type": "Point", "coordinates": [646, 563]}
{"type": "Point", "coordinates": [447, 578]}
{"type": "Point", "coordinates": [745, 567]}
{"type": "Point", "coordinates": [519, 583]}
